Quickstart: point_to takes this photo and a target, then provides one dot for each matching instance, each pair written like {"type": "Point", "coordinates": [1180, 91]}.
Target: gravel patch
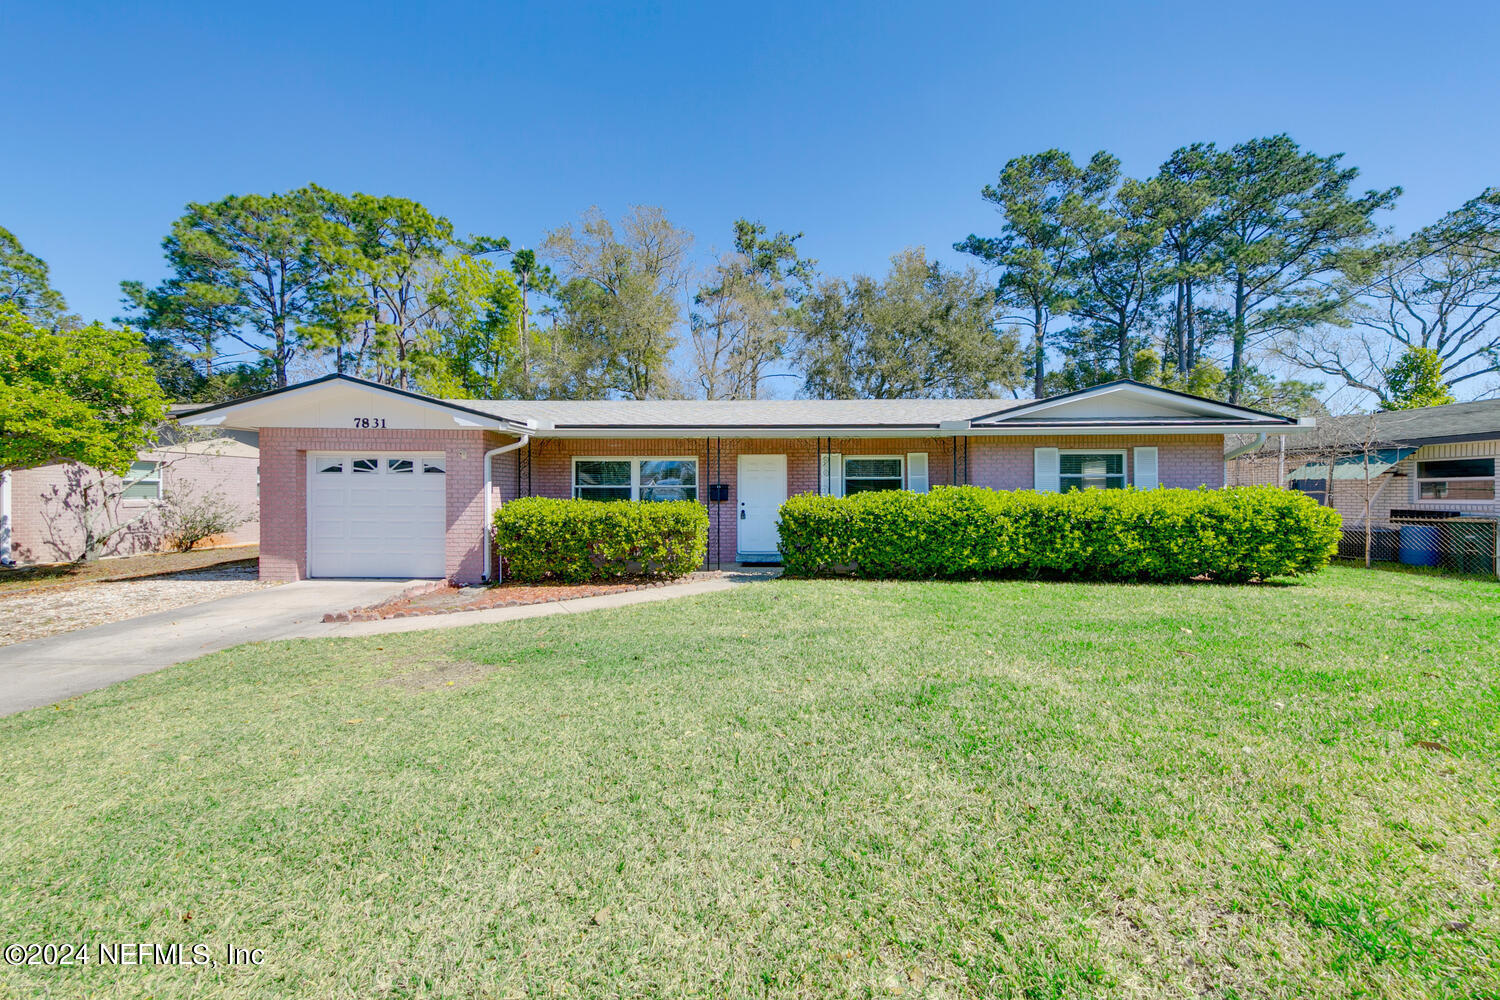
{"type": "Point", "coordinates": [32, 615]}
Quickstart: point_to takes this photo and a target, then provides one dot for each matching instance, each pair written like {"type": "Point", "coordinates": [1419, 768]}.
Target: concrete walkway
{"type": "Point", "coordinates": [42, 671]}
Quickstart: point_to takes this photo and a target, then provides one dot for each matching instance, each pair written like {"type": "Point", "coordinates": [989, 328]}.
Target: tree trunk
{"type": "Point", "coordinates": [525, 347]}
{"type": "Point", "coordinates": [1180, 321]}
{"type": "Point", "coordinates": [1192, 337]}
{"type": "Point", "coordinates": [280, 359]}
{"type": "Point", "coordinates": [1039, 354]}
{"type": "Point", "coordinates": [1237, 355]}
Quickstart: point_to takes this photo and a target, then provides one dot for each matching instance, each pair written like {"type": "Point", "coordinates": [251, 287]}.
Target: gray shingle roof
{"type": "Point", "coordinates": [1477, 419]}
{"type": "Point", "coordinates": [626, 413]}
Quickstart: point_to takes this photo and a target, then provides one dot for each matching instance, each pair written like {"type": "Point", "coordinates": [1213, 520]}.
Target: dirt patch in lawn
{"type": "Point", "coordinates": [442, 676]}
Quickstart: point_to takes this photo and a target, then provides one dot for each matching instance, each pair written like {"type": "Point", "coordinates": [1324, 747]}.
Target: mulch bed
{"type": "Point", "coordinates": [445, 599]}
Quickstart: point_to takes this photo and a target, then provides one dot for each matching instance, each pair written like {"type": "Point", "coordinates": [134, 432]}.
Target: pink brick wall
{"type": "Point", "coordinates": [998, 463]}
{"type": "Point", "coordinates": [47, 526]}
{"type": "Point", "coordinates": [551, 467]}
{"type": "Point", "coordinates": [1182, 460]}
{"type": "Point", "coordinates": [283, 462]}
{"type": "Point", "coordinates": [544, 468]}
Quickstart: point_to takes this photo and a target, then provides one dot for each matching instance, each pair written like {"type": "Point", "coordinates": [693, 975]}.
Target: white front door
{"type": "Point", "coordinates": [762, 491]}
{"type": "Point", "coordinates": [376, 515]}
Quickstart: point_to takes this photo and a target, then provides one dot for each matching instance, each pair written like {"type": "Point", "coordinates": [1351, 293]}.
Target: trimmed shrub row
{"type": "Point", "coordinates": [1235, 535]}
{"type": "Point", "coordinates": [579, 541]}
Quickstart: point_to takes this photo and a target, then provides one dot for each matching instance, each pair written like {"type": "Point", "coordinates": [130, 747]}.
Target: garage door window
{"type": "Point", "coordinates": [333, 467]}
{"type": "Point", "coordinates": [398, 466]}
{"type": "Point", "coordinates": [366, 465]}
{"type": "Point", "coordinates": [431, 469]}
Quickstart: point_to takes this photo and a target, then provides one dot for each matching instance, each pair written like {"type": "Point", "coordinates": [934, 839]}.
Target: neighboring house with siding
{"type": "Point", "coordinates": [1433, 460]}
{"type": "Point", "coordinates": [41, 509]}
{"type": "Point", "coordinates": [360, 479]}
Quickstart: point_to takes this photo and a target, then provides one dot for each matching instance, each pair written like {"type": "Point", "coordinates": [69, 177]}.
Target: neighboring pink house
{"type": "Point", "coordinates": [363, 480]}
{"type": "Point", "coordinates": [41, 515]}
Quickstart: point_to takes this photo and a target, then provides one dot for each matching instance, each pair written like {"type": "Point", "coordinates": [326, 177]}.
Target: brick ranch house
{"type": "Point", "coordinates": [41, 516]}
{"type": "Point", "coordinates": [364, 480]}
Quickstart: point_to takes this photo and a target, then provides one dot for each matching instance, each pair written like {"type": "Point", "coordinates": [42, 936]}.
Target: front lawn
{"type": "Point", "coordinates": [796, 789]}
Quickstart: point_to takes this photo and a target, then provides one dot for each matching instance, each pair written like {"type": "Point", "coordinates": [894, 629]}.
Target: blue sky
{"type": "Point", "coordinates": [871, 127]}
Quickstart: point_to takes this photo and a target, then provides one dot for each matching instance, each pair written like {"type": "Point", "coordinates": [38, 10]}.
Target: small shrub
{"type": "Point", "coordinates": [1236, 534]}
{"type": "Point", "coordinates": [188, 517]}
{"type": "Point", "coordinates": [577, 541]}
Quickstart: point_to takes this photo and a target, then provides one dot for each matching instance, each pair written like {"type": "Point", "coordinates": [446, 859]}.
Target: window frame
{"type": "Point", "coordinates": [1124, 466]}
{"type": "Point", "coordinates": [845, 459]}
{"type": "Point", "coordinates": [635, 473]}
{"type": "Point", "coordinates": [155, 478]}
{"type": "Point", "coordinates": [1418, 480]}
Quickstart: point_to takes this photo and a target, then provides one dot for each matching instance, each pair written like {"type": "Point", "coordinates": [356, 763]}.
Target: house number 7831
{"type": "Point", "coordinates": [369, 421]}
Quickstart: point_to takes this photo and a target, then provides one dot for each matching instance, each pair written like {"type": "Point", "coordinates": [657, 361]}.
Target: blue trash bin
{"type": "Point", "coordinates": [1419, 545]}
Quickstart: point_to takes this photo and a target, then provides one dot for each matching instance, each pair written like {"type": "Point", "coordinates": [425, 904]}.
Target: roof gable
{"type": "Point", "coordinates": [343, 401]}
{"type": "Point", "coordinates": [1127, 401]}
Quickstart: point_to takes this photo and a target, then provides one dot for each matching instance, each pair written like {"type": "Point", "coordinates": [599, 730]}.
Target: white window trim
{"type": "Point", "coordinates": [635, 471]}
{"type": "Point", "coordinates": [844, 470]}
{"type": "Point", "coordinates": [1417, 481]}
{"type": "Point", "coordinates": [1124, 463]}
{"type": "Point", "coordinates": [157, 478]}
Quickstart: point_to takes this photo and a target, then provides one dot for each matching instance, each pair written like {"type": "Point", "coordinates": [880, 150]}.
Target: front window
{"type": "Point", "coordinates": [1083, 470]}
{"type": "Point", "coordinates": [866, 475]}
{"type": "Point", "coordinates": [143, 481]}
{"type": "Point", "coordinates": [669, 479]}
{"type": "Point", "coordinates": [1456, 479]}
{"type": "Point", "coordinates": [648, 479]}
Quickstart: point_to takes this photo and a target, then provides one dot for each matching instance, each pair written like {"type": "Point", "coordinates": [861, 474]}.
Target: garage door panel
{"type": "Point", "coordinates": [390, 522]}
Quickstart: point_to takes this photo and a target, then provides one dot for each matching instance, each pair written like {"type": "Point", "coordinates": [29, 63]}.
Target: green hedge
{"type": "Point", "coordinates": [577, 541]}
{"type": "Point", "coordinates": [1236, 534]}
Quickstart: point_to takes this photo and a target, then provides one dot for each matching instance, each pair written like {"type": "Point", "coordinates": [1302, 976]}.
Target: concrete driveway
{"type": "Point", "coordinates": [42, 671]}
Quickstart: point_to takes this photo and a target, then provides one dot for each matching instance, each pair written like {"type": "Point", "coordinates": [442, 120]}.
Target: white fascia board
{"type": "Point", "coordinates": [748, 431]}
{"type": "Point", "coordinates": [255, 414]}
{"type": "Point", "coordinates": [1066, 430]}
{"type": "Point", "coordinates": [1173, 400]}
{"type": "Point", "coordinates": [1030, 430]}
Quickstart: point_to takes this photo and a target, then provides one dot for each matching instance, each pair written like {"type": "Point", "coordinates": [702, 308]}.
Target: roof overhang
{"type": "Point", "coordinates": [342, 401]}
{"type": "Point", "coordinates": [1126, 400]}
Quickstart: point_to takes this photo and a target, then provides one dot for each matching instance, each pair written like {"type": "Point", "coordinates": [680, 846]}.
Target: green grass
{"type": "Point", "coordinates": [797, 789]}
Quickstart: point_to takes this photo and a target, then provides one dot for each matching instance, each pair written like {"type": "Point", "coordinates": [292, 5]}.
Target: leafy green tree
{"type": "Point", "coordinates": [924, 331]}
{"type": "Point", "coordinates": [1289, 227]}
{"type": "Point", "coordinates": [474, 348]}
{"type": "Point", "coordinates": [241, 271]}
{"type": "Point", "coordinates": [25, 282]}
{"type": "Point", "coordinates": [1416, 380]}
{"type": "Point", "coordinates": [84, 395]}
{"type": "Point", "coordinates": [1034, 253]}
{"type": "Point", "coordinates": [619, 304]}
{"type": "Point", "coordinates": [746, 313]}
{"type": "Point", "coordinates": [1120, 268]}
{"type": "Point", "coordinates": [1182, 199]}
{"type": "Point", "coordinates": [532, 278]}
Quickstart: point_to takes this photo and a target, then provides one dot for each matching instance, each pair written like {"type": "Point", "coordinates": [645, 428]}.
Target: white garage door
{"type": "Point", "coordinates": [376, 515]}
